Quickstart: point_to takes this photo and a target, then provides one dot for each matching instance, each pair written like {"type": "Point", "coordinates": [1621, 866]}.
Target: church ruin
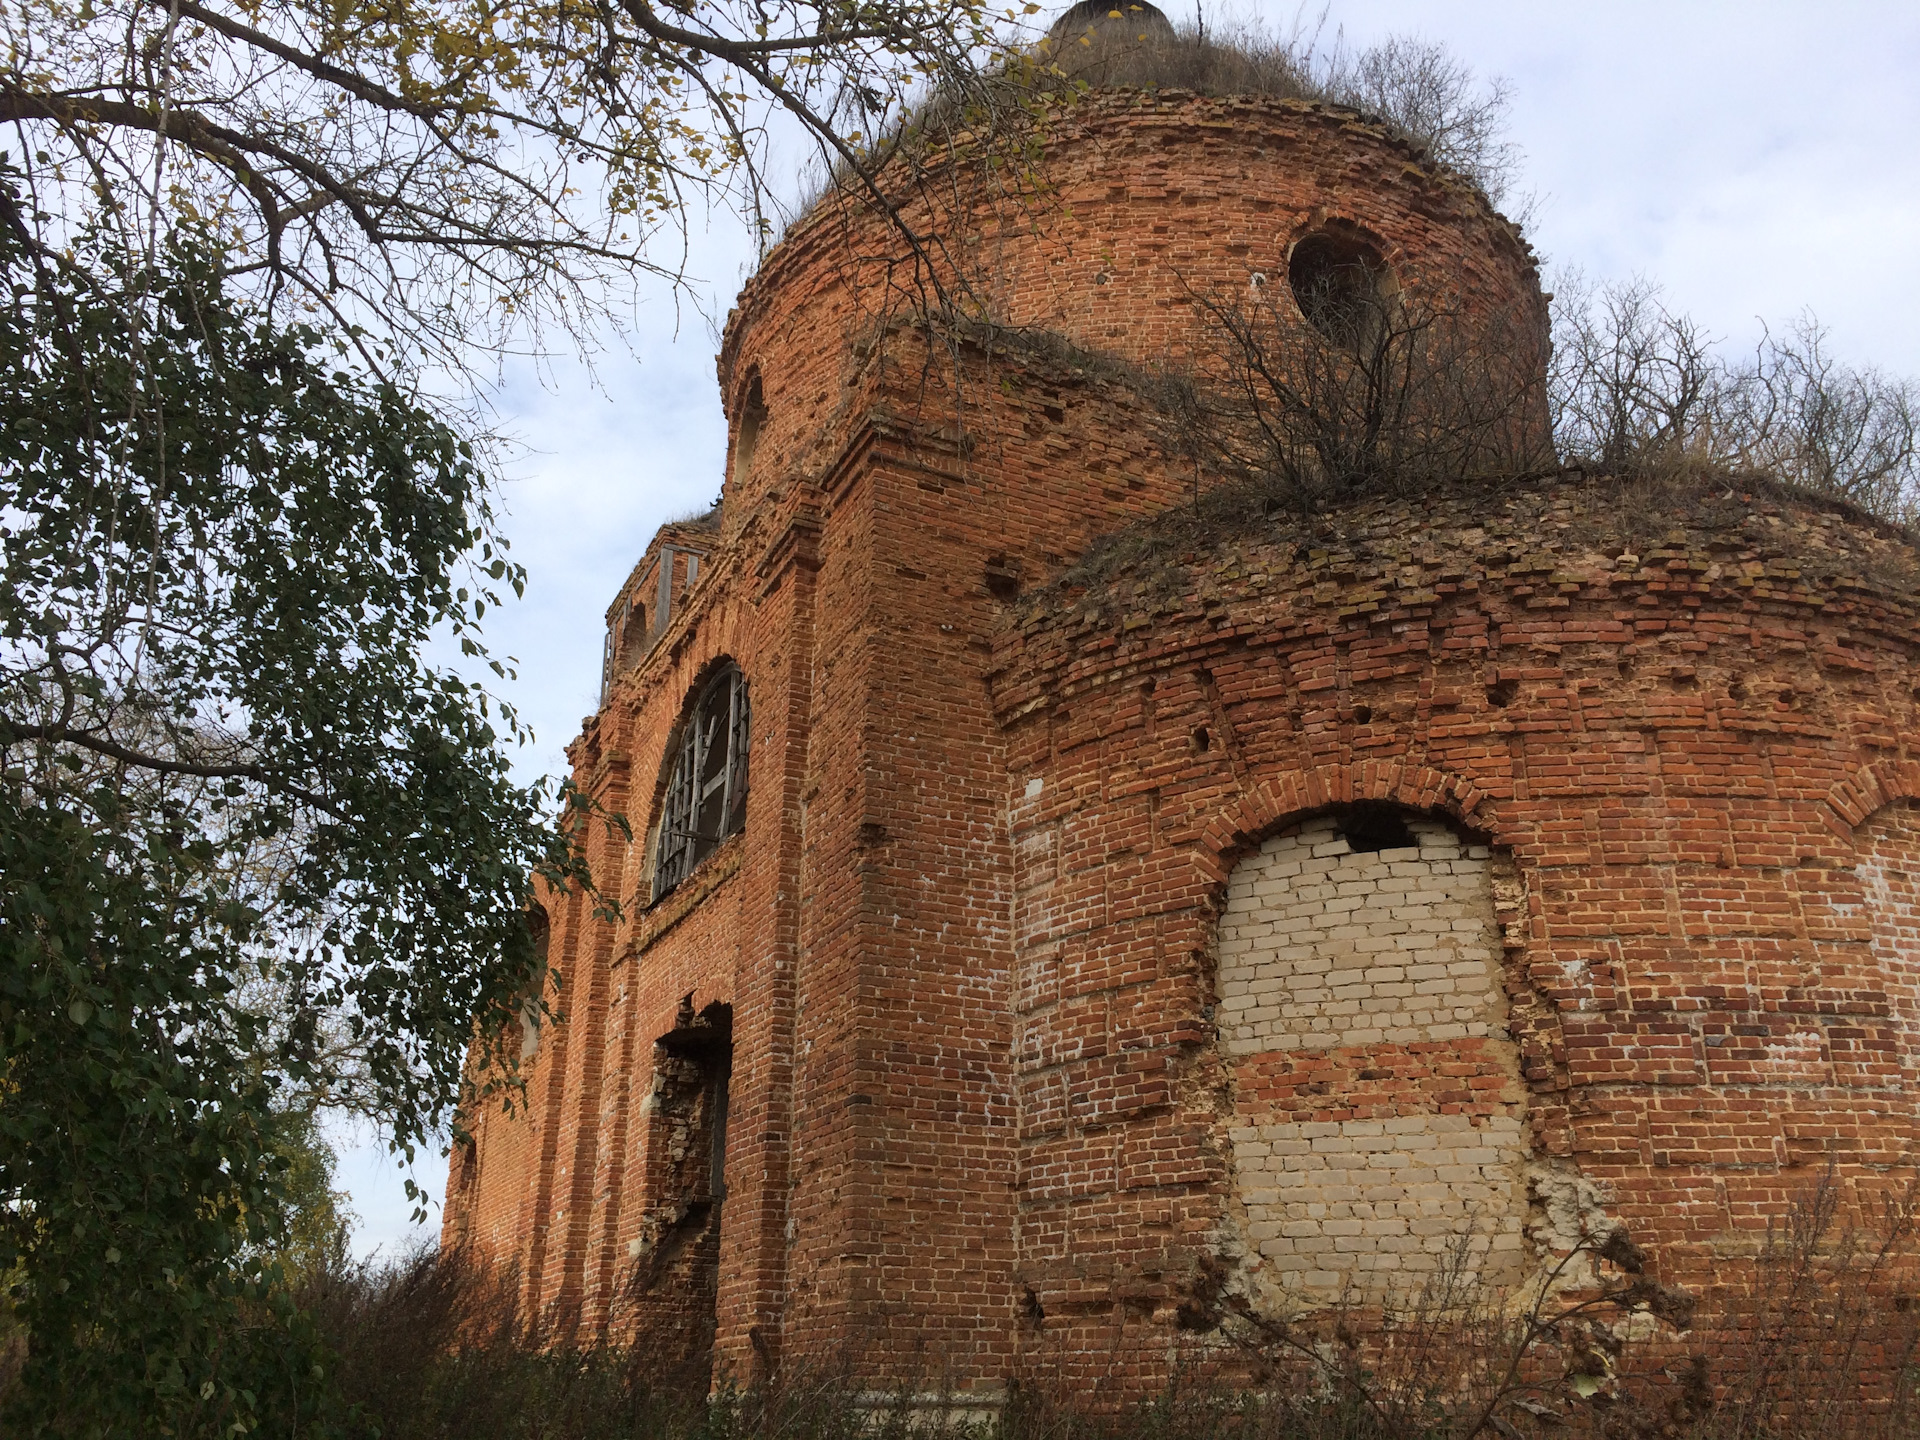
{"type": "Point", "coordinates": [1021, 933]}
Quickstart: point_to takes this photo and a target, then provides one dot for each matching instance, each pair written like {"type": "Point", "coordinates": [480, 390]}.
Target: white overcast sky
{"type": "Point", "coordinates": [1756, 160]}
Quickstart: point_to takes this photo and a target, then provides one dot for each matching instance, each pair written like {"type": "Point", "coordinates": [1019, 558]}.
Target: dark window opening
{"type": "Point", "coordinates": [695, 1063]}
{"type": "Point", "coordinates": [1003, 578]}
{"type": "Point", "coordinates": [634, 635]}
{"type": "Point", "coordinates": [1370, 829]}
{"type": "Point", "coordinates": [536, 991]}
{"type": "Point", "coordinates": [706, 793]}
{"type": "Point", "coordinates": [674, 1284]}
{"type": "Point", "coordinates": [1339, 283]}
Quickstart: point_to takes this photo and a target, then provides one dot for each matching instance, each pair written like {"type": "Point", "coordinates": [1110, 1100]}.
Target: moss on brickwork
{"type": "Point", "coordinates": [1747, 534]}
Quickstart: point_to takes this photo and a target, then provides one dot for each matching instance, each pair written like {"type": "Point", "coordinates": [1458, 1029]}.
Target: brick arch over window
{"type": "Point", "coordinates": [703, 778]}
{"type": "Point", "coordinates": [1868, 790]}
{"type": "Point", "coordinates": [1283, 799]}
{"type": "Point", "coordinates": [1378, 1114]}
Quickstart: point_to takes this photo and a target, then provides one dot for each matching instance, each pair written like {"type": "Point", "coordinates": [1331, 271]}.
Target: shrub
{"type": "Point", "coordinates": [1805, 1338]}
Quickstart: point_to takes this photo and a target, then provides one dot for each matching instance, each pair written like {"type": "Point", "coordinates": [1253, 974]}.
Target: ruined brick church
{"type": "Point", "coordinates": [1027, 933]}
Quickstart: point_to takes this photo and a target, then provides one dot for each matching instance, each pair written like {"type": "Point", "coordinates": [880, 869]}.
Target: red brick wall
{"type": "Point", "coordinates": [979, 1123]}
{"type": "Point", "coordinates": [1687, 737]}
{"type": "Point", "coordinates": [1128, 207]}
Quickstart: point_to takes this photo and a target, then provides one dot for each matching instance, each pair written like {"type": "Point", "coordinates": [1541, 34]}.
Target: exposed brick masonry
{"type": "Point", "coordinates": [1376, 1120]}
{"type": "Point", "coordinates": [1017, 821]}
{"type": "Point", "coordinates": [1687, 737]}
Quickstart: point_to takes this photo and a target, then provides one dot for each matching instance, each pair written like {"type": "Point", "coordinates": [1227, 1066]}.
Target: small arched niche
{"type": "Point", "coordinates": [1341, 284]}
{"type": "Point", "coordinates": [749, 418]}
{"type": "Point", "coordinates": [1377, 1124]}
{"type": "Point", "coordinates": [1887, 844]}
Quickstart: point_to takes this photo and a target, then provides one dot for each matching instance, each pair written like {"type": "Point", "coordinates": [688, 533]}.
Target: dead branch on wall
{"type": "Point", "coordinates": [1819, 1317]}
{"type": "Point", "coordinates": [1311, 394]}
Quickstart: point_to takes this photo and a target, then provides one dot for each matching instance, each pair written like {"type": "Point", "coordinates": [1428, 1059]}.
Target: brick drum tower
{"type": "Point", "coordinates": [1025, 940]}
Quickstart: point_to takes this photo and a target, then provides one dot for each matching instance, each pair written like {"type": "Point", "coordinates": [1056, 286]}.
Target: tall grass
{"type": "Point", "coordinates": [1811, 1335]}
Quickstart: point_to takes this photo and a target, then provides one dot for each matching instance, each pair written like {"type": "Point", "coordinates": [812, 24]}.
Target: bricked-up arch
{"type": "Point", "coordinates": [1860, 795]}
{"type": "Point", "coordinates": [1377, 1119]}
{"type": "Point", "coordinates": [1261, 809]}
{"type": "Point", "coordinates": [674, 1273]}
{"type": "Point", "coordinates": [1888, 847]}
{"type": "Point", "coordinates": [704, 794]}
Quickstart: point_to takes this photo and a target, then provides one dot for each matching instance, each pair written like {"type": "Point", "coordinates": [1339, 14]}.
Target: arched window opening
{"type": "Point", "coordinates": [542, 931]}
{"type": "Point", "coordinates": [752, 415]}
{"type": "Point", "coordinates": [705, 800]}
{"type": "Point", "coordinates": [634, 635]}
{"type": "Point", "coordinates": [1341, 285]}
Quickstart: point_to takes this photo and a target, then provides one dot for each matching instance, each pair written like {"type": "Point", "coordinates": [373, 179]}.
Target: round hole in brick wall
{"type": "Point", "coordinates": [1502, 692]}
{"type": "Point", "coordinates": [1202, 740]}
{"type": "Point", "coordinates": [1363, 714]}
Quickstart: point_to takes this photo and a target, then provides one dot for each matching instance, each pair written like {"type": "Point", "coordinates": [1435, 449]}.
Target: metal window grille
{"type": "Point", "coordinates": [706, 795]}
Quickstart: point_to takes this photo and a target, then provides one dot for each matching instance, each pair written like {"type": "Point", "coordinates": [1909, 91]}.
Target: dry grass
{"type": "Point", "coordinates": [1811, 1337]}
{"type": "Point", "coordinates": [1413, 89]}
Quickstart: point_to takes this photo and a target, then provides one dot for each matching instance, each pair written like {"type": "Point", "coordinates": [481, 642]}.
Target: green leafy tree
{"type": "Point", "coordinates": [223, 551]}
{"type": "Point", "coordinates": [255, 853]}
{"type": "Point", "coordinates": [316, 1222]}
{"type": "Point", "coordinates": [452, 171]}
